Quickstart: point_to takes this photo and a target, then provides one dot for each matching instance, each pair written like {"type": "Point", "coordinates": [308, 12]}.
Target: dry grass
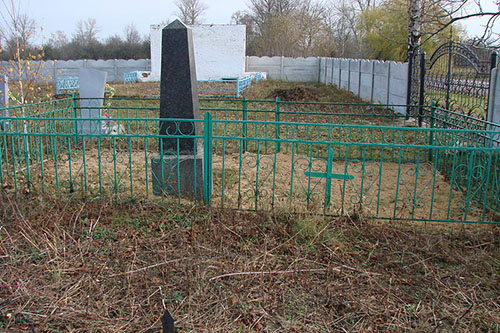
{"type": "Point", "coordinates": [291, 91]}
{"type": "Point", "coordinates": [85, 266]}
{"type": "Point", "coordinates": [98, 267]}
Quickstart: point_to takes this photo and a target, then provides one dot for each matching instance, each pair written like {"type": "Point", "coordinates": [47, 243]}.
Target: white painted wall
{"type": "Point", "coordinates": [219, 51]}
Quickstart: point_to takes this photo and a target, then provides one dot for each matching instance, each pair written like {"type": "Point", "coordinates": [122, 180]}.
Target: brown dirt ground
{"type": "Point", "coordinates": [88, 266]}
{"type": "Point", "coordinates": [102, 266]}
{"type": "Point", "coordinates": [380, 183]}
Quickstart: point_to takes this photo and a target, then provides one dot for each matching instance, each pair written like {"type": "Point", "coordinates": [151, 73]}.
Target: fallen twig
{"type": "Point", "coordinates": [145, 268]}
{"type": "Point", "coordinates": [272, 272]}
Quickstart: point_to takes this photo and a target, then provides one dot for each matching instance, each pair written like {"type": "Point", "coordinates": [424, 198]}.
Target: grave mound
{"type": "Point", "coordinates": [296, 94]}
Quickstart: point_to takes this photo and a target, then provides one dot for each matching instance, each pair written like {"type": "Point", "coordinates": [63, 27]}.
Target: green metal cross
{"type": "Point", "coordinates": [328, 175]}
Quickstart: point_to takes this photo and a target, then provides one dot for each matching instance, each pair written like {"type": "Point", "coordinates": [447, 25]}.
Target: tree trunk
{"type": "Point", "coordinates": [415, 12]}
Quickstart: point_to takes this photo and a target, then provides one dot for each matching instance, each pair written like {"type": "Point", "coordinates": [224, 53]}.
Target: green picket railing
{"type": "Point", "coordinates": [325, 158]}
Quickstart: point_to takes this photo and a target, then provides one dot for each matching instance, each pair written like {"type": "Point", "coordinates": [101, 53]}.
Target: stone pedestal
{"type": "Point", "coordinates": [167, 170]}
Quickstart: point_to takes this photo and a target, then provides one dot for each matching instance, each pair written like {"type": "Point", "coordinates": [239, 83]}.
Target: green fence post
{"type": "Point", "coordinates": [421, 99]}
{"type": "Point", "coordinates": [277, 119]}
{"type": "Point", "coordinates": [245, 126]}
{"type": "Point", "coordinates": [207, 158]}
{"type": "Point", "coordinates": [75, 124]}
{"type": "Point", "coordinates": [431, 134]}
{"type": "Point", "coordinates": [328, 180]}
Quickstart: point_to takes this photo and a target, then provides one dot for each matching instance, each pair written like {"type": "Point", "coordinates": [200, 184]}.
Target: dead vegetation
{"type": "Point", "coordinates": [88, 266]}
{"type": "Point", "coordinates": [301, 92]}
{"type": "Point", "coordinates": [102, 267]}
{"type": "Point", "coordinates": [286, 91]}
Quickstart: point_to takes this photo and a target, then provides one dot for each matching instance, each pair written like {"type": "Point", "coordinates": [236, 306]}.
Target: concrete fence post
{"type": "Point", "coordinates": [115, 71]}
{"type": "Point", "coordinates": [373, 81]}
{"type": "Point", "coordinates": [331, 75]}
{"type": "Point", "coordinates": [349, 75]}
{"type": "Point", "coordinates": [282, 68]}
{"type": "Point", "coordinates": [326, 70]}
{"type": "Point", "coordinates": [359, 78]}
{"type": "Point", "coordinates": [388, 82]}
{"type": "Point", "coordinates": [320, 60]}
{"type": "Point", "coordinates": [323, 66]}
{"type": "Point", "coordinates": [340, 72]}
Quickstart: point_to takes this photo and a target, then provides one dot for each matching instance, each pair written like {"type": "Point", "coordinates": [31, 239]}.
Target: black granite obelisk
{"type": "Point", "coordinates": [178, 87]}
{"type": "Point", "coordinates": [178, 169]}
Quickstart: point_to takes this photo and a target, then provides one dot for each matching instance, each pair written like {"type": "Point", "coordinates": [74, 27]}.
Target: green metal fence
{"type": "Point", "coordinates": [333, 159]}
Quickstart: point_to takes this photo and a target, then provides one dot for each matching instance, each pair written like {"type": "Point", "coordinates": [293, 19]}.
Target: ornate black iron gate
{"type": "Point", "coordinates": [456, 77]}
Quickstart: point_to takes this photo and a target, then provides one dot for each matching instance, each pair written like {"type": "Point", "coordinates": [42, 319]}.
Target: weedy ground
{"type": "Point", "coordinates": [94, 266]}
{"type": "Point", "coordinates": [114, 267]}
{"type": "Point", "coordinates": [286, 91]}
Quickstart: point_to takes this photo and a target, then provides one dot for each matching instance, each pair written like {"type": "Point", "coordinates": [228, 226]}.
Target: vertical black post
{"type": "Point", "coordinates": [448, 76]}
{"type": "Point", "coordinates": [409, 89]}
{"type": "Point", "coordinates": [494, 59]}
{"type": "Point", "coordinates": [422, 89]}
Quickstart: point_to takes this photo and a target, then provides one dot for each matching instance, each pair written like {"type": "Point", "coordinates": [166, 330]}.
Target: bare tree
{"type": "Point", "coordinates": [57, 46]}
{"type": "Point", "coordinates": [18, 33]}
{"type": "Point", "coordinates": [283, 27]}
{"type": "Point", "coordinates": [58, 39]}
{"type": "Point", "coordinates": [86, 32]}
{"type": "Point", "coordinates": [190, 11]}
{"type": "Point", "coordinates": [343, 22]}
{"type": "Point", "coordinates": [311, 20]}
{"type": "Point", "coordinates": [132, 35]}
{"type": "Point", "coordinates": [84, 42]}
{"type": "Point", "coordinates": [263, 10]}
{"type": "Point", "coordinates": [362, 5]}
{"type": "Point", "coordinates": [438, 15]}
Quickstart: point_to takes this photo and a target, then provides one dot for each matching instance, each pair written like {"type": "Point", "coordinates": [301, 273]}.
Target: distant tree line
{"type": "Point", "coordinates": [377, 29]}
{"type": "Point", "coordinates": [369, 29]}
{"type": "Point", "coordinates": [83, 44]}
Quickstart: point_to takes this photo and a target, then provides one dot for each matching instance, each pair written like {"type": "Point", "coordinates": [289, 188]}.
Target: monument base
{"type": "Point", "coordinates": [178, 179]}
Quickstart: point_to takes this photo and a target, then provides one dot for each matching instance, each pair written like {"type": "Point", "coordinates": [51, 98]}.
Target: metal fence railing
{"type": "Point", "coordinates": [224, 88]}
{"type": "Point", "coordinates": [67, 85]}
{"type": "Point", "coordinates": [206, 88]}
{"type": "Point", "coordinates": [334, 159]}
{"type": "Point", "coordinates": [130, 77]}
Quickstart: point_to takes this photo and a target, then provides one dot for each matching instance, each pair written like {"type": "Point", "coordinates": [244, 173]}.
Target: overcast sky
{"type": "Point", "coordinates": [113, 15]}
